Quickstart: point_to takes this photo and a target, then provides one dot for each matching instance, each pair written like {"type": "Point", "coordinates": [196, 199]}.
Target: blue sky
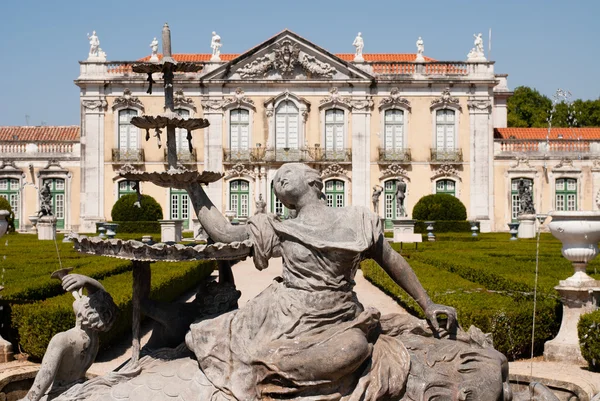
{"type": "Point", "coordinates": [542, 44]}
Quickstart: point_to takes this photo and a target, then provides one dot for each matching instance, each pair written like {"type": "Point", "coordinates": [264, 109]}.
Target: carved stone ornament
{"type": "Point", "coordinates": [598, 198]}
{"type": "Point", "coordinates": [8, 165]}
{"type": "Point", "coordinates": [238, 99]}
{"type": "Point", "coordinates": [127, 100]}
{"type": "Point", "coordinates": [179, 100]}
{"type": "Point", "coordinates": [479, 105]}
{"type": "Point", "coordinates": [362, 104]}
{"type": "Point", "coordinates": [446, 170]}
{"type": "Point", "coordinates": [446, 99]}
{"type": "Point", "coordinates": [240, 170]}
{"type": "Point", "coordinates": [564, 163]}
{"type": "Point", "coordinates": [395, 100]}
{"type": "Point", "coordinates": [212, 104]}
{"type": "Point", "coordinates": [335, 99]}
{"type": "Point", "coordinates": [53, 163]}
{"type": "Point", "coordinates": [394, 170]}
{"type": "Point", "coordinates": [127, 168]}
{"type": "Point", "coordinates": [334, 170]}
{"type": "Point", "coordinates": [521, 163]}
{"type": "Point", "coordinates": [99, 105]}
{"type": "Point", "coordinates": [284, 59]}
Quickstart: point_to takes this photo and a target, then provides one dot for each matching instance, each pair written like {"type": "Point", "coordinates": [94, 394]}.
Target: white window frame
{"type": "Point", "coordinates": [251, 200]}
{"type": "Point", "coordinates": [573, 173]}
{"type": "Point", "coordinates": [182, 146]}
{"type": "Point", "coordinates": [271, 106]}
{"type": "Point", "coordinates": [228, 126]}
{"type": "Point", "coordinates": [347, 199]}
{"type": "Point", "coordinates": [407, 114]}
{"type": "Point", "coordinates": [457, 114]}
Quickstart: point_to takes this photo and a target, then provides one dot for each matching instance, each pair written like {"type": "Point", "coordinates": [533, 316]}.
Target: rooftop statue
{"type": "Point", "coordinates": [94, 44]}
{"type": "Point", "coordinates": [215, 45]}
{"type": "Point", "coordinates": [154, 48]}
{"type": "Point", "coordinates": [359, 44]}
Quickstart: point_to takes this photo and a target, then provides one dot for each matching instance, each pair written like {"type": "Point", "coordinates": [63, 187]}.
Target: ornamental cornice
{"type": "Point", "coordinates": [239, 99]}
{"type": "Point", "coordinates": [446, 170]}
{"type": "Point", "coordinates": [394, 170]}
{"type": "Point", "coordinates": [334, 170]}
{"type": "Point", "coordinates": [127, 100]}
{"type": "Point", "coordinates": [395, 100]}
{"type": "Point", "coordinates": [179, 100]}
{"type": "Point", "coordinates": [92, 105]}
{"type": "Point", "coordinates": [446, 100]}
{"type": "Point", "coordinates": [240, 170]}
{"type": "Point", "coordinates": [335, 99]}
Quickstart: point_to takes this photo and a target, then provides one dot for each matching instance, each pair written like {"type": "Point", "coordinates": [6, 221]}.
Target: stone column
{"type": "Point", "coordinates": [596, 185]}
{"type": "Point", "coordinates": [481, 162]}
{"type": "Point", "coordinates": [213, 149]}
{"type": "Point", "coordinates": [361, 151]}
{"type": "Point", "coordinates": [92, 163]}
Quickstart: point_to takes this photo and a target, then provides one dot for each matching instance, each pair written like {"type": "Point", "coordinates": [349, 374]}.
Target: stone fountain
{"type": "Point", "coordinates": [579, 232]}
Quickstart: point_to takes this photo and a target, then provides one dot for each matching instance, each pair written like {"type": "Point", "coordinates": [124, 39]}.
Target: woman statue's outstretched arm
{"type": "Point", "coordinates": [401, 272]}
{"type": "Point", "coordinates": [216, 225]}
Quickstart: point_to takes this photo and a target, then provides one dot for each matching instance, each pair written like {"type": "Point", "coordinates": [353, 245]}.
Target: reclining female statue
{"type": "Point", "coordinates": [307, 337]}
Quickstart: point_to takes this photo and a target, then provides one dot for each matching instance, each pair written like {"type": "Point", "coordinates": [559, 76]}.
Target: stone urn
{"type": "Point", "coordinates": [579, 232]}
{"type": "Point", "coordinates": [34, 220]}
{"type": "Point", "coordinates": [513, 230]}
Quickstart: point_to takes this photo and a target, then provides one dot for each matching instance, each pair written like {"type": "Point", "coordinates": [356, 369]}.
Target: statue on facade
{"type": "Point", "coordinates": [359, 44]}
{"type": "Point", "coordinates": [154, 47]}
{"type": "Point", "coordinates": [215, 45]}
{"type": "Point", "coordinates": [525, 198]}
{"type": "Point", "coordinates": [420, 49]}
{"type": "Point", "coordinates": [94, 45]}
{"type": "Point", "coordinates": [478, 43]}
{"type": "Point", "coordinates": [72, 352]}
{"type": "Point", "coordinates": [377, 190]}
{"type": "Point", "coordinates": [477, 53]}
{"type": "Point", "coordinates": [261, 205]}
{"type": "Point", "coordinates": [45, 201]}
{"type": "Point", "coordinates": [400, 194]}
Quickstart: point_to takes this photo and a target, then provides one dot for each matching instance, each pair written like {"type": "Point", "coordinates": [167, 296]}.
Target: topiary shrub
{"type": "Point", "coordinates": [588, 329]}
{"type": "Point", "coordinates": [5, 205]}
{"type": "Point", "coordinates": [124, 209]}
{"type": "Point", "coordinates": [439, 207]}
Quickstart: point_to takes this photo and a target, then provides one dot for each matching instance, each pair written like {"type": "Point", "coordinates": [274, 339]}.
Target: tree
{"type": "Point", "coordinates": [528, 108]}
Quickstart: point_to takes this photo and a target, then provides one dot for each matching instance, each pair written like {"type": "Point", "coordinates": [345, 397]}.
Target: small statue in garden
{"type": "Point", "coordinates": [72, 352]}
{"type": "Point", "coordinates": [400, 195]}
{"type": "Point", "coordinates": [45, 201]}
{"type": "Point", "coordinates": [261, 205]}
{"type": "Point", "coordinates": [377, 190]}
{"type": "Point", "coordinates": [525, 198]}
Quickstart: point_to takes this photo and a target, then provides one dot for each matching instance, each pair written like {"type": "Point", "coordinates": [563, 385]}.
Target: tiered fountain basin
{"type": "Point", "coordinates": [579, 232]}
{"type": "Point", "coordinates": [178, 178]}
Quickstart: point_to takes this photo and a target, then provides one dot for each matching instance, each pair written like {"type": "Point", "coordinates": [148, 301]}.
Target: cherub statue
{"type": "Point", "coordinates": [72, 352]}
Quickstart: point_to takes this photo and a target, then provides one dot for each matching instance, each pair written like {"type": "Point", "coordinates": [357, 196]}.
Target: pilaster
{"type": "Point", "coordinates": [213, 148]}
{"type": "Point", "coordinates": [361, 151]}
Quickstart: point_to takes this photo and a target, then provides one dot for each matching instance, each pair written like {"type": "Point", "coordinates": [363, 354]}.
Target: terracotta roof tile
{"type": "Point", "coordinates": [40, 134]}
{"type": "Point", "coordinates": [591, 133]}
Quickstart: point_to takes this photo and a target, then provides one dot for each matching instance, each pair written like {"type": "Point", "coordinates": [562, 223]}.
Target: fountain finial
{"type": "Point", "coordinates": [166, 43]}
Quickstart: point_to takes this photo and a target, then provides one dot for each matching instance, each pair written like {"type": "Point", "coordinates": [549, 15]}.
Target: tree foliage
{"type": "Point", "coordinates": [439, 207]}
{"type": "Point", "coordinates": [125, 210]}
{"type": "Point", "coordinates": [529, 108]}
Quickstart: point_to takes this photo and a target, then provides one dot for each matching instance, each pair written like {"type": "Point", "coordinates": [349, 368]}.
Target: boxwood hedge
{"type": "Point", "coordinates": [588, 329]}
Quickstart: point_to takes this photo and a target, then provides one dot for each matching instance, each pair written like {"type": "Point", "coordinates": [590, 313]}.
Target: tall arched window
{"type": "Point", "coordinates": [445, 135]}
{"type": "Point", "coordinates": [394, 130]}
{"type": "Point", "coordinates": [239, 130]}
{"type": "Point", "coordinates": [128, 133]}
{"type": "Point", "coordinates": [57, 188]}
{"type": "Point", "coordinates": [334, 130]}
{"type": "Point", "coordinates": [9, 190]}
{"type": "Point", "coordinates": [566, 194]}
{"type": "Point", "coordinates": [180, 206]}
{"type": "Point", "coordinates": [334, 193]}
{"type": "Point", "coordinates": [239, 197]}
{"type": "Point", "coordinates": [515, 207]}
{"type": "Point", "coordinates": [286, 125]}
{"type": "Point", "coordinates": [445, 187]}
{"type": "Point", "coordinates": [181, 134]}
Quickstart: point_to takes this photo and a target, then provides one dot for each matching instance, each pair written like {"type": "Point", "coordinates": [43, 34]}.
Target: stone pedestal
{"type": "Point", "coordinates": [6, 351]}
{"type": "Point", "coordinates": [526, 226]}
{"type": "Point", "coordinates": [171, 230]}
{"type": "Point", "coordinates": [404, 231]}
{"type": "Point", "coordinates": [46, 228]}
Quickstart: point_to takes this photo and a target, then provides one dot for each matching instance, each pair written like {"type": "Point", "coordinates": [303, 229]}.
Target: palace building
{"type": "Point", "coordinates": [440, 126]}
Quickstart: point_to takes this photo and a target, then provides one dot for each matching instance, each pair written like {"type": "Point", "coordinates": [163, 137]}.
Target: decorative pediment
{"type": "Point", "coordinates": [287, 56]}
{"type": "Point", "coordinates": [335, 99]}
{"type": "Point", "coordinates": [179, 100]}
{"type": "Point", "coordinates": [304, 105]}
{"type": "Point", "coordinates": [127, 100]}
{"type": "Point", "coordinates": [240, 170]}
{"type": "Point", "coordinates": [239, 99]}
{"type": "Point", "coordinates": [565, 165]}
{"type": "Point", "coordinates": [445, 170]}
{"type": "Point", "coordinates": [394, 100]}
{"type": "Point", "coordinates": [394, 170]}
{"type": "Point", "coordinates": [8, 165]}
{"type": "Point", "coordinates": [446, 100]}
{"type": "Point", "coordinates": [334, 170]}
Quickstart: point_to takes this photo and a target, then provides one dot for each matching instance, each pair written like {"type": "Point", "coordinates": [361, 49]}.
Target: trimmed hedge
{"type": "Point", "coordinates": [448, 226]}
{"type": "Point", "coordinates": [588, 330]}
{"type": "Point", "coordinates": [5, 205]}
{"type": "Point", "coordinates": [439, 207]}
{"type": "Point", "coordinates": [124, 209]}
{"type": "Point", "coordinates": [134, 227]}
{"type": "Point", "coordinates": [38, 322]}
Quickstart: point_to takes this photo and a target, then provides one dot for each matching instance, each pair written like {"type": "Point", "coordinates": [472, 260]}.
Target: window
{"type": "Point", "coordinates": [277, 206]}
{"type": "Point", "coordinates": [286, 125]}
{"type": "Point", "coordinates": [566, 194]}
{"type": "Point", "coordinates": [9, 190]}
{"type": "Point", "coordinates": [445, 187]}
{"type": "Point", "coordinates": [181, 134]}
{"type": "Point", "coordinates": [334, 130]}
{"type": "Point", "coordinates": [334, 193]}
{"type": "Point", "coordinates": [239, 129]}
{"type": "Point", "coordinates": [392, 208]}
{"type": "Point", "coordinates": [444, 121]}
{"type": "Point", "coordinates": [57, 188]}
{"type": "Point", "coordinates": [239, 195]}
{"type": "Point", "coordinates": [128, 133]}
{"type": "Point", "coordinates": [180, 206]}
{"type": "Point", "coordinates": [126, 187]}
{"type": "Point", "coordinates": [394, 130]}
{"type": "Point", "coordinates": [515, 207]}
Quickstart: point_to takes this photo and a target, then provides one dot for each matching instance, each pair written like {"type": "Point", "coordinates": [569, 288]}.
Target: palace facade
{"type": "Point", "coordinates": [440, 126]}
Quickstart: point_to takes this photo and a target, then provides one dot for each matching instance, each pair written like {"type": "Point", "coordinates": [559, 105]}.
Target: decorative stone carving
{"type": "Point", "coordinates": [8, 165]}
{"type": "Point", "coordinates": [359, 44]}
{"type": "Point", "coordinates": [525, 198]}
{"type": "Point", "coordinates": [240, 170]}
{"type": "Point", "coordinates": [446, 170]}
{"type": "Point", "coordinates": [445, 100]}
{"type": "Point", "coordinates": [395, 100]}
{"type": "Point", "coordinates": [477, 54]}
{"type": "Point", "coordinates": [215, 45]}
{"type": "Point", "coordinates": [284, 59]}
{"type": "Point", "coordinates": [96, 53]}
{"type": "Point", "coordinates": [238, 99]}
{"type": "Point", "coordinates": [45, 200]}
{"type": "Point", "coordinates": [333, 170]}
{"type": "Point", "coordinates": [53, 163]}
{"type": "Point", "coordinates": [596, 165]}
{"type": "Point", "coordinates": [154, 47]}
{"type": "Point", "coordinates": [362, 104]}
{"type": "Point", "coordinates": [479, 105]}
{"type": "Point", "coordinates": [179, 100]}
{"type": "Point", "coordinates": [128, 100]}
{"type": "Point", "coordinates": [335, 99]}
{"type": "Point", "coordinates": [212, 104]}
{"type": "Point", "coordinates": [565, 163]}
{"type": "Point", "coordinates": [420, 50]}
{"type": "Point", "coordinates": [522, 163]}
{"type": "Point", "coordinates": [99, 105]}
{"type": "Point", "coordinates": [598, 198]}
{"type": "Point", "coordinates": [394, 170]}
